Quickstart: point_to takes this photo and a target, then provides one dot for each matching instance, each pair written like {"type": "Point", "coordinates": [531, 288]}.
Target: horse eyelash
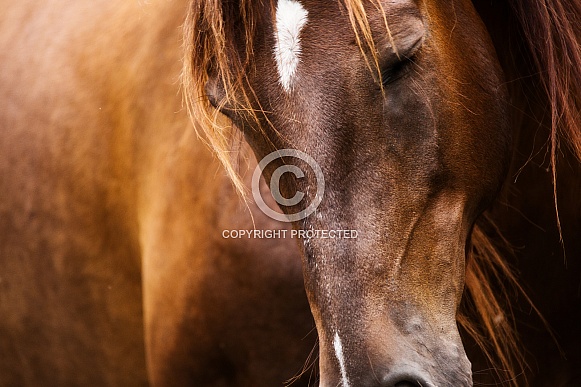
{"type": "Point", "coordinates": [393, 72]}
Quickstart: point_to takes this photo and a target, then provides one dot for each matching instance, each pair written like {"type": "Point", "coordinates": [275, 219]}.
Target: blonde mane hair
{"type": "Point", "coordinates": [549, 31]}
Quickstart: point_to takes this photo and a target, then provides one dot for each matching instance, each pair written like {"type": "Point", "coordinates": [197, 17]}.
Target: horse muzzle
{"type": "Point", "coordinates": [403, 375]}
{"type": "Point", "coordinates": [389, 358]}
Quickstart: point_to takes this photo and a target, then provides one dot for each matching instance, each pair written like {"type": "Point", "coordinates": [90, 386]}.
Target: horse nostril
{"type": "Point", "coordinates": [405, 378]}
{"type": "Point", "coordinates": [406, 383]}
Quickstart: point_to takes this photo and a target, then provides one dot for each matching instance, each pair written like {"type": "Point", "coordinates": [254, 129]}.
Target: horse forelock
{"type": "Point", "coordinates": [210, 29]}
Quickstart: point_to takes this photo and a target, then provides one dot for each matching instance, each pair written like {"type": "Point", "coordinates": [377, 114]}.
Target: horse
{"type": "Point", "coordinates": [448, 137]}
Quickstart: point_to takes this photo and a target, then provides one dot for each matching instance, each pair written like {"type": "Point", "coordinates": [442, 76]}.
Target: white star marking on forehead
{"type": "Point", "coordinates": [291, 17]}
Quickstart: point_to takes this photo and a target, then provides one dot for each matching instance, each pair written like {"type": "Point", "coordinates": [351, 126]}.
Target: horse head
{"type": "Point", "coordinates": [402, 106]}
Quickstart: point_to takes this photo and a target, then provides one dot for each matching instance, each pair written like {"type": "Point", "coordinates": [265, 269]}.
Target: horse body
{"type": "Point", "coordinates": [55, 280]}
{"type": "Point", "coordinates": [113, 266]}
{"type": "Point", "coordinates": [102, 191]}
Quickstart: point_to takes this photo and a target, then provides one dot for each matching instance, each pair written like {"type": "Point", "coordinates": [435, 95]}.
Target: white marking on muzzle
{"type": "Point", "coordinates": [339, 353]}
{"type": "Point", "coordinates": [291, 17]}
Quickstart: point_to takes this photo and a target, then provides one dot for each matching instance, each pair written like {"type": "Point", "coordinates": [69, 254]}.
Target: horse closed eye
{"type": "Point", "coordinates": [394, 71]}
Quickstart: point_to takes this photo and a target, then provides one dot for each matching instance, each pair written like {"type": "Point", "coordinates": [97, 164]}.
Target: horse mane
{"type": "Point", "coordinates": [550, 33]}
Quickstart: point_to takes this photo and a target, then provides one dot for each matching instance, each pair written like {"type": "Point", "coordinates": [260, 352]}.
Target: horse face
{"type": "Point", "coordinates": [408, 167]}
